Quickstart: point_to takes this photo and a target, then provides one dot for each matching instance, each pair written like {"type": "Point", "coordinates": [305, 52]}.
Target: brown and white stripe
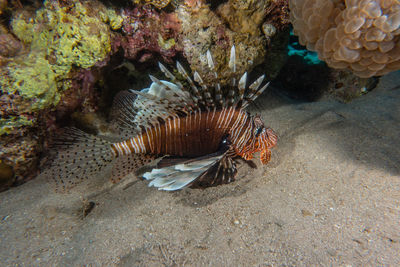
{"type": "Point", "coordinates": [198, 133]}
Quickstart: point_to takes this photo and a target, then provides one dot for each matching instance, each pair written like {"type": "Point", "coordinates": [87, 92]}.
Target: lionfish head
{"type": "Point", "coordinates": [262, 140]}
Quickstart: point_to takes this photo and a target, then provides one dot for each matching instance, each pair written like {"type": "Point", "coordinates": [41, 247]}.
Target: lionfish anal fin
{"type": "Point", "coordinates": [127, 164]}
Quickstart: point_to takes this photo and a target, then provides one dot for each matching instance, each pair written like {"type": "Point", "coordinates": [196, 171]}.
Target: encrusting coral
{"type": "Point", "coordinates": [55, 42]}
{"type": "Point", "coordinates": [232, 22]}
{"type": "Point", "coordinates": [156, 3]}
{"type": "Point", "coordinates": [360, 35]}
{"type": "Point", "coordinates": [60, 39]}
{"type": "Point", "coordinates": [148, 32]}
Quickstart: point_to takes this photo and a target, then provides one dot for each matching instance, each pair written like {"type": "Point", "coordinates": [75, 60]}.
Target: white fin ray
{"type": "Point", "coordinates": [217, 86]}
{"type": "Point", "coordinates": [253, 97]}
{"type": "Point", "coordinates": [178, 176]}
{"type": "Point", "coordinates": [168, 90]}
{"type": "Point", "coordinates": [232, 64]}
{"type": "Point", "coordinates": [204, 89]}
{"type": "Point", "coordinates": [242, 85]}
{"type": "Point", "coordinates": [170, 76]}
{"type": "Point", "coordinates": [183, 72]}
{"type": "Point", "coordinates": [136, 109]}
{"type": "Point", "coordinates": [256, 84]}
{"type": "Point", "coordinates": [151, 108]}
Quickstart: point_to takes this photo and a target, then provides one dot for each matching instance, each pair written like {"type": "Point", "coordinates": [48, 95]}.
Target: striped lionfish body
{"type": "Point", "coordinates": [198, 131]}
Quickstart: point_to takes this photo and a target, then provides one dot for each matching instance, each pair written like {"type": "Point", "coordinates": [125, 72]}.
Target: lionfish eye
{"type": "Point", "coordinates": [258, 131]}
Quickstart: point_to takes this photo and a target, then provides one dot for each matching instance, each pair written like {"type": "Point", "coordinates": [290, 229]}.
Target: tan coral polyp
{"type": "Point", "coordinates": [360, 35]}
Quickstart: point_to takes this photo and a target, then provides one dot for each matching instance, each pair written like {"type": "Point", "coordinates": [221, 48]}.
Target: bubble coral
{"type": "Point", "coordinates": [360, 35]}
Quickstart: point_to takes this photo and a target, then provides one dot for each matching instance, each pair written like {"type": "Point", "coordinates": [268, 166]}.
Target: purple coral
{"type": "Point", "coordinates": [9, 45]}
{"type": "Point", "coordinates": [145, 32]}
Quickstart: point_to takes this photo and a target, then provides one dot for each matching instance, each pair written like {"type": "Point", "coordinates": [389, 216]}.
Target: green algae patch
{"type": "Point", "coordinates": [166, 44]}
{"type": "Point", "coordinates": [32, 79]}
{"type": "Point", "coordinates": [59, 39]}
{"type": "Point", "coordinates": [8, 125]}
{"type": "Point", "coordinates": [69, 36]}
{"type": "Point", "coordinates": [112, 18]}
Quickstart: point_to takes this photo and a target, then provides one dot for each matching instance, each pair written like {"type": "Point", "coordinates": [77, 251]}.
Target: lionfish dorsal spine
{"type": "Point", "coordinates": [242, 85]}
{"type": "Point", "coordinates": [253, 97]}
{"type": "Point", "coordinates": [204, 89]}
{"type": "Point", "coordinates": [255, 85]}
{"type": "Point", "coordinates": [170, 76]}
{"type": "Point", "coordinates": [232, 65]}
{"type": "Point", "coordinates": [183, 72]}
{"type": "Point", "coordinates": [232, 60]}
{"type": "Point", "coordinates": [217, 85]}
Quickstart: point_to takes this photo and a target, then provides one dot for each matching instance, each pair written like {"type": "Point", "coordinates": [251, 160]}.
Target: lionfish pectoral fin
{"type": "Point", "coordinates": [222, 172]}
{"type": "Point", "coordinates": [178, 176]}
{"type": "Point", "coordinates": [126, 164]}
{"type": "Point", "coordinates": [265, 156]}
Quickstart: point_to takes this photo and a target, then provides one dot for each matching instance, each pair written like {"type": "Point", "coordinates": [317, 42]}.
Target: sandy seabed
{"type": "Point", "coordinates": [330, 196]}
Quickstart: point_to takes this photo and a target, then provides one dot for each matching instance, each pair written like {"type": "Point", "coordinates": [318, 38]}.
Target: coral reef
{"type": "Point", "coordinates": [9, 45]}
{"type": "Point", "coordinates": [20, 155]}
{"type": "Point", "coordinates": [363, 36]}
{"type": "Point", "coordinates": [3, 6]}
{"type": "Point", "coordinates": [6, 176]}
{"type": "Point", "coordinates": [54, 54]}
{"type": "Point", "coordinates": [148, 33]}
{"type": "Point", "coordinates": [278, 14]}
{"type": "Point", "coordinates": [56, 42]}
{"type": "Point", "coordinates": [60, 40]}
{"type": "Point", "coordinates": [232, 22]}
{"type": "Point", "coordinates": [156, 3]}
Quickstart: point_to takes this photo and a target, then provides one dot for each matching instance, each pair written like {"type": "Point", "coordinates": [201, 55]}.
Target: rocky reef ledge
{"type": "Point", "coordinates": [61, 61]}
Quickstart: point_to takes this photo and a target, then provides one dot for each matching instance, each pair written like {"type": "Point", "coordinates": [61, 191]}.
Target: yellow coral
{"type": "Point", "coordinates": [363, 36]}
{"type": "Point", "coordinates": [60, 39]}
{"type": "Point", "coordinates": [33, 78]}
{"type": "Point", "coordinates": [156, 3]}
{"type": "Point", "coordinates": [8, 125]}
{"type": "Point", "coordinates": [166, 44]}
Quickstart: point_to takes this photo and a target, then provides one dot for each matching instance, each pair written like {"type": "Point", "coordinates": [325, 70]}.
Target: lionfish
{"type": "Point", "coordinates": [198, 132]}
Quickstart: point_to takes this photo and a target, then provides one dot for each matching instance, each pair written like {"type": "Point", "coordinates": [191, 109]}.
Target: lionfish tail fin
{"type": "Point", "coordinates": [78, 156]}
